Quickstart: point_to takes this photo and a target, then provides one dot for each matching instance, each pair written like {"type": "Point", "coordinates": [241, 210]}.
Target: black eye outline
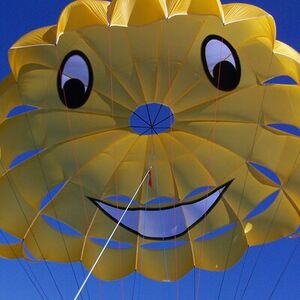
{"type": "Point", "coordinates": [231, 81]}
{"type": "Point", "coordinates": [75, 83]}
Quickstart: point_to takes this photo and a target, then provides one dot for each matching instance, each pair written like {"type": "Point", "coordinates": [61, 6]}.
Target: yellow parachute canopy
{"type": "Point", "coordinates": [177, 85]}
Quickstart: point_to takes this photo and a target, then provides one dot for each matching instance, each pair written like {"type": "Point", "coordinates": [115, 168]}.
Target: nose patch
{"type": "Point", "coordinates": [151, 118]}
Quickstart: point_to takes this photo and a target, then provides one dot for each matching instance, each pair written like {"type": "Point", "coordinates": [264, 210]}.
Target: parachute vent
{"type": "Point", "coordinates": [262, 206]}
{"type": "Point", "coordinates": [269, 174]}
{"type": "Point", "coordinates": [23, 157]}
{"type": "Point", "coordinates": [60, 226]}
{"type": "Point", "coordinates": [21, 109]}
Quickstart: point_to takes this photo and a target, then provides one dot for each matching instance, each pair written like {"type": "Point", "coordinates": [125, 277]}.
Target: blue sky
{"type": "Point", "coordinates": [255, 276]}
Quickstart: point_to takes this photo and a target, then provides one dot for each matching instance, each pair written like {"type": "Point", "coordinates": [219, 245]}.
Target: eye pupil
{"type": "Point", "coordinates": [73, 93]}
{"type": "Point", "coordinates": [225, 76]}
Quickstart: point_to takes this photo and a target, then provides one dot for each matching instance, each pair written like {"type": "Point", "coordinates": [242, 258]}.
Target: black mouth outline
{"type": "Point", "coordinates": [225, 186]}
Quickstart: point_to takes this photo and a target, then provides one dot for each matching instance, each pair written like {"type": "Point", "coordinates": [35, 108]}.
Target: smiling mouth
{"type": "Point", "coordinates": [163, 223]}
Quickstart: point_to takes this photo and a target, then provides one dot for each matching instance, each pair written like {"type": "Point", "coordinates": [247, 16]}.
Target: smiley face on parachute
{"type": "Point", "coordinates": [181, 86]}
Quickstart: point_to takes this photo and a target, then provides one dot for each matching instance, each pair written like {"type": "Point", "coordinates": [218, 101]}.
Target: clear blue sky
{"type": "Point", "coordinates": [255, 276]}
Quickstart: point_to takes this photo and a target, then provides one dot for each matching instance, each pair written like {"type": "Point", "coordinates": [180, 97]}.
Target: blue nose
{"type": "Point", "coordinates": [151, 118]}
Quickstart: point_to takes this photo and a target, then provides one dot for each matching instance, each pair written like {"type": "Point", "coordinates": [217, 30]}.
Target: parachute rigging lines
{"type": "Point", "coordinates": [112, 234]}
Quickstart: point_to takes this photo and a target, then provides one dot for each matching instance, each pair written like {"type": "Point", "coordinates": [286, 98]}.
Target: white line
{"type": "Point", "coordinates": [110, 237]}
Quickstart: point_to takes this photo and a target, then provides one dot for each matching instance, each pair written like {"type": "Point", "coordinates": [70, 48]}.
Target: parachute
{"type": "Point", "coordinates": [178, 90]}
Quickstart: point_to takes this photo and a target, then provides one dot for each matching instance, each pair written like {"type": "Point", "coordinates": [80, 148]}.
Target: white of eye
{"type": "Point", "coordinates": [215, 52]}
{"type": "Point", "coordinates": [75, 68]}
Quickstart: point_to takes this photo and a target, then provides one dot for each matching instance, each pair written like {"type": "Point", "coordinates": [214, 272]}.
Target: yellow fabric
{"type": "Point", "coordinates": [183, 7]}
{"type": "Point", "coordinates": [135, 12]}
{"type": "Point", "coordinates": [11, 251]}
{"type": "Point", "coordinates": [10, 97]}
{"type": "Point", "coordinates": [23, 54]}
{"type": "Point", "coordinates": [82, 14]}
{"type": "Point", "coordinates": [286, 62]}
{"type": "Point", "coordinates": [143, 52]}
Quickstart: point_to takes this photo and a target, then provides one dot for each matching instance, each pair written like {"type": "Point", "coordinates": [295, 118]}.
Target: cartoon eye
{"type": "Point", "coordinates": [75, 79]}
{"type": "Point", "coordinates": [221, 63]}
